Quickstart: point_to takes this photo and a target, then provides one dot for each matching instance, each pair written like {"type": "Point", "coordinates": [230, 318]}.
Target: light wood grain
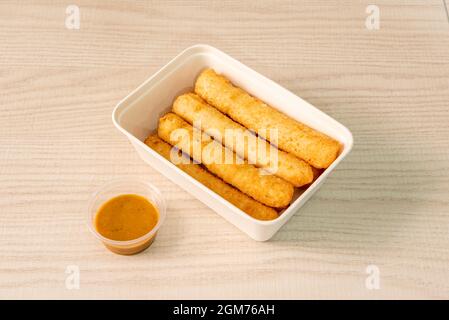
{"type": "Point", "coordinates": [386, 205]}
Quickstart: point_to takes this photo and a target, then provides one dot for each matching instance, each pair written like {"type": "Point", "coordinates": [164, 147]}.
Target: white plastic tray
{"type": "Point", "coordinates": [137, 116]}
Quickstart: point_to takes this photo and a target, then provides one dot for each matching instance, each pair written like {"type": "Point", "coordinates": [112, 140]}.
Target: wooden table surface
{"type": "Point", "coordinates": [385, 208]}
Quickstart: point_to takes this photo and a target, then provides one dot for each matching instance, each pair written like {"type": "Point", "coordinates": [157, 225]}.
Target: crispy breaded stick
{"type": "Point", "coordinates": [268, 189]}
{"type": "Point", "coordinates": [240, 200]}
{"type": "Point", "coordinates": [302, 141]}
{"type": "Point", "coordinates": [245, 144]}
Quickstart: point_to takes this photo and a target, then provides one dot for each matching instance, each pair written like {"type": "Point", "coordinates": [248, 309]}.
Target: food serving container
{"type": "Point", "coordinates": [120, 187]}
{"type": "Point", "coordinates": [138, 113]}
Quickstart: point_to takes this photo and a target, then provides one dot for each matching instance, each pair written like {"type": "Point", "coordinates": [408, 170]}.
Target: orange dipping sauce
{"type": "Point", "coordinates": [127, 217]}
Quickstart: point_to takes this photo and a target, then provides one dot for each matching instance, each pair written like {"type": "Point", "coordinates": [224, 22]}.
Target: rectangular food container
{"type": "Point", "coordinates": [137, 116]}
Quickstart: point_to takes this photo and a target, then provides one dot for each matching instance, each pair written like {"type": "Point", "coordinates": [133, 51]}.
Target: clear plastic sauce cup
{"type": "Point", "coordinates": [120, 187]}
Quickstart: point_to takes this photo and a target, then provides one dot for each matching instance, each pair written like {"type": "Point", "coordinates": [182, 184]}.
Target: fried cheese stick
{"type": "Point", "coordinates": [245, 144]}
{"type": "Point", "coordinates": [316, 148]}
{"type": "Point", "coordinates": [268, 189]}
{"type": "Point", "coordinates": [240, 200]}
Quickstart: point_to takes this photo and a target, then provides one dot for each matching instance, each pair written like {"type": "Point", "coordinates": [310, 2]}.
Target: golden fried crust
{"type": "Point", "coordinates": [302, 141]}
{"type": "Point", "coordinates": [268, 189]}
{"type": "Point", "coordinates": [237, 138]}
{"type": "Point", "coordinates": [240, 200]}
